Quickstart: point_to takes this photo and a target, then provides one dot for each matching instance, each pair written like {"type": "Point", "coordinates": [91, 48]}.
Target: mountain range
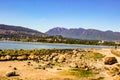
{"type": "Point", "coordinates": [87, 34]}
{"type": "Point", "coordinates": [76, 33]}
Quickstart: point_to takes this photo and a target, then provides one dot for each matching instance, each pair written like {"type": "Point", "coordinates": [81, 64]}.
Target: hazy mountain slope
{"type": "Point", "coordinates": [80, 33]}
{"type": "Point", "coordinates": [18, 32]}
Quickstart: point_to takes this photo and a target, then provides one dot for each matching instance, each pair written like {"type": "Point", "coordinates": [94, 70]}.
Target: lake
{"type": "Point", "coordinates": [27, 45]}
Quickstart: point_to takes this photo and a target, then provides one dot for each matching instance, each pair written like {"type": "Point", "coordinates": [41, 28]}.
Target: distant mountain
{"type": "Point", "coordinates": [10, 31]}
{"type": "Point", "coordinates": [89, 34]}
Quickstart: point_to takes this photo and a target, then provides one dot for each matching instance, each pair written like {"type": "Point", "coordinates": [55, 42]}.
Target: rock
{"type": "Point", "coordinates": [73, 65]}
{"type": "Point", "coordinates": [14, 58]}
{"type": "Point", "coordinates": [54, 54]}
{"type": "Point", "coordinates": [59, 69]}
{"type": "Point", "coordinates": [32, 57]}
{"type": "Point", "coordinates": [74, 51]}
{"type": "Point", "coordinates": [74, 56]}
{"type": "Point", "coordinates": [2, 58]}
{"type": "Point", "coordinates": [110, 60]}
{"type": "Point", "coordinates": [82, 64]}
{"type": "Point", "coordinates": [48, 63]}
{"type": "Point", "coordinates": [50, 58]}
{"type": "Point", "coordinates": [40, 67]}
{"type": "Point", "coordinates": [111, 74]}
{"type": "Point", "coordinates": [118, 65]}
{"type": "Point", "coordinates": [12, 73]}
{"type": "Point", "coordinates": [97, 78]}
{"type": "Point", "coordinates": [22, 57]}
{"type": "Point", "coordinates": [28, 63]}
{"type": "Point", "coordinates": [61, 58]}
{"type": "Point", "coordinates": [45, 58]}
{"type": "Point", "coordinates": [14, 68]}
{"type": "Point", "coordinates": [117, 78]}
{"type": "Point", "coordinates": [55, 59]}
{"type": "Point", "coordinates": [8, 57]}
{"type": "Point", "coordinates": [113, 71]}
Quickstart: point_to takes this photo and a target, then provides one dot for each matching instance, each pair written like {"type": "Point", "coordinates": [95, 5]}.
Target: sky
{"type": "Point", "coordinates": [43, 15]}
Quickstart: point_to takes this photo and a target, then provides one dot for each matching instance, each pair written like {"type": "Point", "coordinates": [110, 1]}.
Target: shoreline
{"type": "Point", "coordinates": [57, 43]}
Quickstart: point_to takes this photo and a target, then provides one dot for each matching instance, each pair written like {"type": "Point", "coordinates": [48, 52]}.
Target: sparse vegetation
{"type": "Point", "coordinates": [95, 56]}
{"type": "Point", "coordinates": [78, 72]}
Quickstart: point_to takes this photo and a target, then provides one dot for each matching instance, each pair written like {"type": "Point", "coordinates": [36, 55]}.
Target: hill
{"type": "Point", "coordinates": [18, 32]}
{"type": "Point", "coordinates": [88, 34]}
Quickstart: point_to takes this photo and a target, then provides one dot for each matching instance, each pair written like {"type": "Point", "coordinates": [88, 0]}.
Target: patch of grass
{"type": "Point", "coordinates": [78, 72]}
{"type": "Point", "coordinates": [94, 56]}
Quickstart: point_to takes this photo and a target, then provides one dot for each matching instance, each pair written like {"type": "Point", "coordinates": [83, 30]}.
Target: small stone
{"type": "Point", "coordinates": [117, 78]}
{"type": "Point", "coordinates": [8, 57]}
{"type": "Point", "coordinates": [2, 58]}
{"type": "Point", "coordinates": [59, 69]}
{"type": "Point", "coordinates": [55, 59]}
{"type": "Point", "coordinates": [14, 58]}
{"type": "Point", "coordinates": [14, 68]}
{"type": "Point", "coordinates": [22, 57]}
{"type": "Point", "coordinates": [12, 73]}
{"type": "Point", "coordinates": [73, 65]}
{"type": "Point", "coordinates": [111, 74]}
{"type": "Point", "coordinates": [113, 71]}
{"type": "Point", "coordinates": [9, 66]}
{"type": "Point", "coordinates": [28, 63]}
{"type": "Point", "coordinates": [32, 57]}
{"type": "Point", "coordinates": [61, 59]}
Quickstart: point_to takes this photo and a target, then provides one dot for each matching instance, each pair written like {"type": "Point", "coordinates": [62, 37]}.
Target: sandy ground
{"type": "Point", "coordinates": [28, 72]}
{"type": "Point", "coordinates": [107, 53]}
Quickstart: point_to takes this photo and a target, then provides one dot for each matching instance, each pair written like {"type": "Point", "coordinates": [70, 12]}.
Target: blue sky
{"type": "Point", "coordinates": [42, 15]}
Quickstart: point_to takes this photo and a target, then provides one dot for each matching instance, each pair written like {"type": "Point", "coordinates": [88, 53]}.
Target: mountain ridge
{"type": "Point", "coordinates": [81, 33]}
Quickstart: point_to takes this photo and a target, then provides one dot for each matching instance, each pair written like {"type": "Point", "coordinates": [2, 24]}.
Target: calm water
{"type": "Point", "coordinates": [23, 45]}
